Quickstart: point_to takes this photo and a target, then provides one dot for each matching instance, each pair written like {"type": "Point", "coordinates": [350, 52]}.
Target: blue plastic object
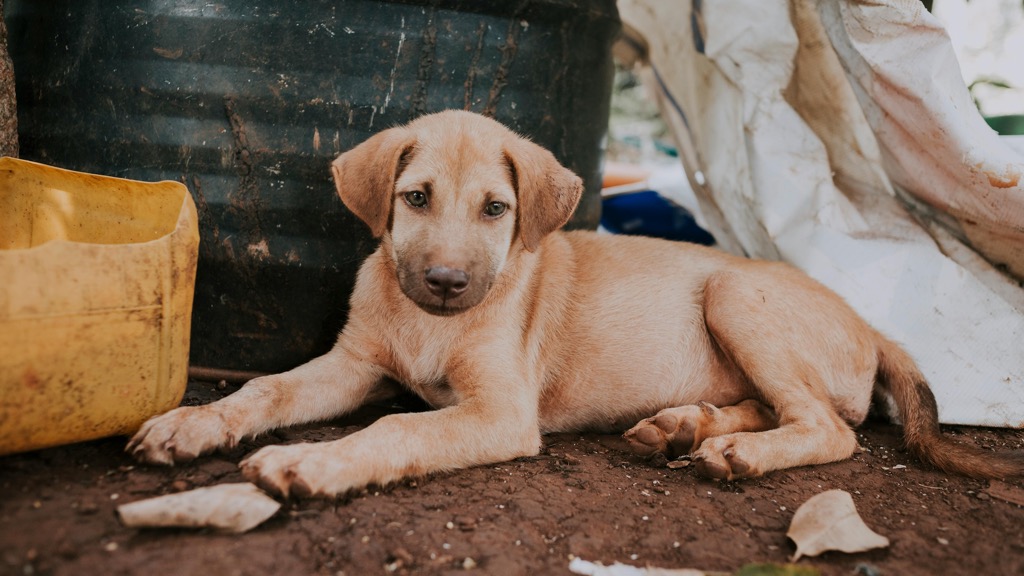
{"type": "Point", "coordinates": [647, 213]}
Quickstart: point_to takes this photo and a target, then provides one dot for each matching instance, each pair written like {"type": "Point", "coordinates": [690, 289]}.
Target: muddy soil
{"type": "Point", "coordinates": [583, 496]}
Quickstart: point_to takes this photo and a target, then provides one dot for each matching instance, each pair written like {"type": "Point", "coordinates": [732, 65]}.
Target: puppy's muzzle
{"type": "Point", "coordinates": [446, 283]}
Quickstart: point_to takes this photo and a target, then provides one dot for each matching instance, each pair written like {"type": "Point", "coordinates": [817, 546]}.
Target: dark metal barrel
{"type": "Point", "coordinates": [247, 101]}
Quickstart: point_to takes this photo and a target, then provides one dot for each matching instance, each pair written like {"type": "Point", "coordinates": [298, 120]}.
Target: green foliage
{"type": "Point", "coordinates": [766, 569]}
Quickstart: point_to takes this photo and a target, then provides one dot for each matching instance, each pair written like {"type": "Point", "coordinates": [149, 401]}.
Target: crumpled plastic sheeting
{"type": "Point", "coordinates": [839, 136]}
{"type": "Point", "coordinates": [936, 146]}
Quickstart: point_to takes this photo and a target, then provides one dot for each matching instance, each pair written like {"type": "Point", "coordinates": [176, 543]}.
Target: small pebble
{"type": "Point", "coordinates": [942, 541]}
{"type": "Point", "coordinates": [179, 485]}
{"type": "Point", "coordinates": [983, 496]}
{"type": "Point", "coordinates": [468, 564]}
{"type": "Point", "coordinates": [403, 555]}
{"type": "Point", "coordinates": [222, 385]}
{"type": "Point", "coordinates": [110, 546]}
{"type": "Point", "coordinates": [87, 507]}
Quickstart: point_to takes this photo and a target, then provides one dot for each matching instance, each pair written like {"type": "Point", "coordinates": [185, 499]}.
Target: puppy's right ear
{"type": "Point", "coordinates": [365, 176]}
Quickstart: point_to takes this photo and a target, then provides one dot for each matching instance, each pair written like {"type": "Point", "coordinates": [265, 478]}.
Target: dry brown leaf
{"type": "Point", "coordinates": [232, 508]}
{"type": "Point", "coordinates": [829, 521]}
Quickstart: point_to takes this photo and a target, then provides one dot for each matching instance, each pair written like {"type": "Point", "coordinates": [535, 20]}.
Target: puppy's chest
{"type": "Point", "coordinates": [420, 361]}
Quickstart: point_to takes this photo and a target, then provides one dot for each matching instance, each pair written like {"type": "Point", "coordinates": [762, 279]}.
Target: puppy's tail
{"type": "Point", "coordinates": [899, 376]}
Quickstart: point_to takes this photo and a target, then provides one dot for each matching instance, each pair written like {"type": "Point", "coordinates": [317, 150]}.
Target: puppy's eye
{"type": "Point", "coordinates": [416, 199]}
{"type": "Point", "coordinates": [495, 209]}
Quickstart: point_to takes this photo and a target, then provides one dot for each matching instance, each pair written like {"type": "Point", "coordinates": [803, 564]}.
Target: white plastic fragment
{"type": "Point", "coordinates": [233, 508]}
{"type": "Point", "coordinates": [829, 521]}
{"type": "Point", "coordinates": [580, 566]}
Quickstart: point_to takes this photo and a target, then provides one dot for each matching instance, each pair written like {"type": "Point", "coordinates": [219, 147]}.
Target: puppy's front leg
{"type": "Point", "coordinates": [333, 384]}
{"type": "Point", "coordinates": [495, 425]}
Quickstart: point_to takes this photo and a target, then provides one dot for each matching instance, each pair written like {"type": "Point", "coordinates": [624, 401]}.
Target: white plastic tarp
{"type": "Point", "coordinates": [839, 136]}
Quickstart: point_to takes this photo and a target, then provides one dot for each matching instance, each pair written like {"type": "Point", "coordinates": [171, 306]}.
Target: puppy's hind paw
{"type": "Point", "coordinates": [672, 432]}
{"type": "Point", "coordinates": [720, 458]}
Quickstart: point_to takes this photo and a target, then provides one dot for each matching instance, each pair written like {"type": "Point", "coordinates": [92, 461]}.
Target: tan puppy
{"type": "Point", "coordinates": [511, 330]}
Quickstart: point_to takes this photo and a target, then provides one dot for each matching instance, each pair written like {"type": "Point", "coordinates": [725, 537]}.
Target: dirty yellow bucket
{"type": "Point", "coordinates": [96, 283]}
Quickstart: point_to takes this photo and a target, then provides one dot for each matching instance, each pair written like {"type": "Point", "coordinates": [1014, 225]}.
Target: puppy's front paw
{"type": "Point", "coordinates": [299, 470]}
{"type": "Point", "coordinates": [181, 435]}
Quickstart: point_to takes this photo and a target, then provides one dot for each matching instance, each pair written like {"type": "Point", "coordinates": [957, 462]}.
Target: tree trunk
{"type": "Point", "coordinates": [8, 103]}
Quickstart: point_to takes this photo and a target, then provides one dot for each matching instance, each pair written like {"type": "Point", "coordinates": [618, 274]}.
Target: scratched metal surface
{"type": "Point", "coordinates": [246, 101]}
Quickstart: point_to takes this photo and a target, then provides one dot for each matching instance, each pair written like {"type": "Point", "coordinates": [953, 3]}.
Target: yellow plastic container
{"type": "Point", "coordinates": [96, 283]}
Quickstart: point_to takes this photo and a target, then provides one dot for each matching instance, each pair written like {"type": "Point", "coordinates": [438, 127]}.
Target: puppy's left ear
{"type": "Point", "coordinates": [546, 191]}
{"type": "Point", "coordinates": [365, 176]}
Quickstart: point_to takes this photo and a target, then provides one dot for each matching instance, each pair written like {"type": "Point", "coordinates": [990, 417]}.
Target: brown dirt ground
{"type": "Point", "coordinates": [584, 495]}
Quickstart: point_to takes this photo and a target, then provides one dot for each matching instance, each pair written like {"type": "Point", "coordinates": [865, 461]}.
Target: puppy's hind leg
{"type": "Point", "coordinates": [797, 442]}
{"type": "Point", "coordinates": [788, 336]}
{"type": "Point", "coordinates": [678, 431]}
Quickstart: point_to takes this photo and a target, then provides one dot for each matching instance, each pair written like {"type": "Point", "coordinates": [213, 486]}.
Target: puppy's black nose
{"type": "Point", "coordinates": [446, 282]}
